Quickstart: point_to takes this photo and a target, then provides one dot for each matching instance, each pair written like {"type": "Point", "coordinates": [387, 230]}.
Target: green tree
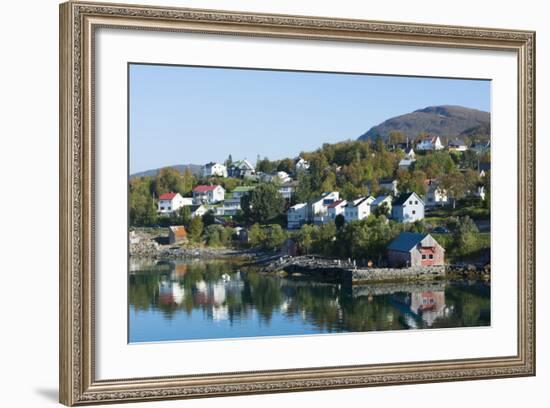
{"type": "Point", "coordinates": [263, 204]}
{"type": "Point", "coordinates": [304, 238]}
{"type": "Point", "coordinates": [195, 228]}
{"type": "Point", "coordinates": [286, 165]}
{"type": "Point", "coordinates": [265, 166]}
{"type": "Point", "coordinates": [256, 235]}
{"type": "Point", "coordinates": [167, 180]}
{"type": "Point", "coordinates": [143, 211]}
{"type": "Point", "coordinates": [184, 215]}
{"type": "Point", "coordinates": [395, 137]}
{"type": "Point", "coordinates": [274, 238]}
{"type": "Point", "coordinates": [465, 235]}
{"type": "Point", "coordinates": [208, 218]}
{"type": "Point", "coordinates": [340, 221]}
{"type": "Point", "coordinates": [455, 185]}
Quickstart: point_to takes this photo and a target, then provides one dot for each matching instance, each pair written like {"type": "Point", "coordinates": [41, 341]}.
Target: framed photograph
{"type": "Point", "coordinates": [256, 203]}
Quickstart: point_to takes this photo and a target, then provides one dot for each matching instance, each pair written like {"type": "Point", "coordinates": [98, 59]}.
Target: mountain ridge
{"type": "Point", "coordinates": [441, 120]}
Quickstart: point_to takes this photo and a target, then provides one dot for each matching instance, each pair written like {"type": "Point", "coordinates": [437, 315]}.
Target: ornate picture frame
{"type": "Point", "coordinates": [78, 24]}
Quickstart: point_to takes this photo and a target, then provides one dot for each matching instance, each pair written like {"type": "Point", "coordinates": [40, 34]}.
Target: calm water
{"type": "Point", "coordinates": [217, 299]}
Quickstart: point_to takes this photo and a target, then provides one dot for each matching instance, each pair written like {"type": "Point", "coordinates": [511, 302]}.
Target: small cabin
{"type": "Point", "coordinates": [177, 234]}
{"type": "Point", "coordinates": [415, 249]}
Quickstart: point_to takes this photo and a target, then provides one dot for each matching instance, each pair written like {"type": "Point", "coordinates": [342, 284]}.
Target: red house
{"type": "Point", "coordinates": [414, 249]}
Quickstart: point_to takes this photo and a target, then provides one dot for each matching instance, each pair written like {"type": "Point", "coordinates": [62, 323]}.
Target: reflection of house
{"type": "Point", "coordinates": [177, 234]}
{"type": "Point", "coordinates": [430, 143]}
{"type": "Point", "coordinates": [408, 207]}
{"type": "Point", "coordinates": [208, 194]}
{"type": "Point", "coordinates": [171, 202]}
{"type": "Point", "coordinates": [414, 249]}
{"type": "Point", "coordinates": [429, 305]}
{"type": "Point", "coordinates": [296, 216]}
{"type": "Point", "coordinates": [436, 194]}
{"type": "Point", "coordinates": [213, 169]}
{"type": "Point", "coordinates": [170, 293]}
{"type": "Point", "coordinates": [358, 209]}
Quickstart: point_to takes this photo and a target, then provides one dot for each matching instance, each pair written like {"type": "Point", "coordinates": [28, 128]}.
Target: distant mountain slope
{"type": "Point", "coordinates": [445, 121]}
{"type": "Point", "coordinates": [195, 169]}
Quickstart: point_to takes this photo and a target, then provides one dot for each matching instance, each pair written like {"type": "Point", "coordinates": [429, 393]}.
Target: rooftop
{"type": "Point", "coordinates": [167, 196]}
{"type": "Point", "coordinates": [406, 241]}
{"type": "Point", "coordinates": [204, 188]}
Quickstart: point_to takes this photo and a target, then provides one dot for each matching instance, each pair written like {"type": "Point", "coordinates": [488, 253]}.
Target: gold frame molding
{"type": "Point", "coordinates": [78, 22]}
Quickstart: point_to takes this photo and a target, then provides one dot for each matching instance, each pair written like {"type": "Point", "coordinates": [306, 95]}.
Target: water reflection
{"type": "Point", "coordinates": [202, 300]}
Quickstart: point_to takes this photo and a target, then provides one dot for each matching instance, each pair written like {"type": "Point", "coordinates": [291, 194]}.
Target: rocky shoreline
{"type": "Point", "coordinates": [347, 271]}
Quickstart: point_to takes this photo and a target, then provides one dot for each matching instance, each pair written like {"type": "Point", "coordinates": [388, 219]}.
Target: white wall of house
{"type": "Point", "coordinates": [410, 211]}
{"type": "Point", "coordinates": [296, 216]}
{"type": "Point", "coordinates": [358, 209]}
{"type": "Point", "coordinates": [211, 196]}
{"type": "Point", "coordinates": [436, 196]}
{"type": "Point", "coordinates": [319, 207]}
{"type": "Point", "coordinates": [167, 207]}
{"type": "Point", "coordinates": [333, 212]}
{"type": "Point", "coordinates": [214, 170]}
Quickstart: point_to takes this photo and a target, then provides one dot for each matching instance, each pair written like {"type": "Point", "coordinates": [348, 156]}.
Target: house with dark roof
{"type": "Point", "coordinates": [408, 207]}
{"type": "Point", "coordinates": [358, 209]}
{"type": "Point", "coordinates": [457, 145]}
{"type": "Point", "coordinates": [415, 249]}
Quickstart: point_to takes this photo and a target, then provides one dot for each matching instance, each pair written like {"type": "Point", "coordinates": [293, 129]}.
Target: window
{"type": "Point", "coordinates": [423, 256]}
{"type": "Point", "coordinates": [431, 256]}
{"type": "Point", "coordinates": [414, 212]}
{"type": "Point", "coordinates": [416, 202]}
{"type": "Point", "coordinates": [162, 208]}
{"type": "Point", "coordinates": [410, 202]}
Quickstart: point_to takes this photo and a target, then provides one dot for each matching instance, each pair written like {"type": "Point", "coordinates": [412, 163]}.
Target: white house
{"type": "Point", "coordinates": [296, 216]}
{"type": "Point", "coordinates": [242, 169]}
{"type": "Point", "coordinates": [198, 210]}
{"type": "Point", "coordinates": [383, 201]}
{"type": "Point", "coordinates": [213, 169]}
{"type": "Point", "coordinates": [335, 209]}
{"type": "Point", "coordinates": [319, 208]}
{"type": "Point", "coordinates": [288, 189]}
{"type": "Point", "coordinates": [430, 143]}
{"type": "Point", "coordinates": [300, 164]}
{"type": "Point", "coordinates": [408, 207]}
{"type": "Point", "coordinates": [410, 154]}
{"type": "Point", "coordinates": [231, 206]}
{"type": "Point", "coordinates": [358, 209]}
{"type": "Point", "coordinates": [208, 194]}
{"type": "Point", "coordinates": [171, 202]}
{"type": "Point", "coordinates": [389, 185]}
{"type": "Point", "coordinates": [457, 145]}
{"type": "Point", "coordinates": [481, 147]}
{"type": "Point", "coordinates": [436, 194]}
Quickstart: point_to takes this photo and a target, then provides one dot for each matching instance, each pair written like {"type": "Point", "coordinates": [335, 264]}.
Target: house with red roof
{"type": "Point", "coordinates": [208, 194]}
{"type": "Point", "coordinates": [336, 208]}
{"type": "Point", "coordinates": [171, 202]}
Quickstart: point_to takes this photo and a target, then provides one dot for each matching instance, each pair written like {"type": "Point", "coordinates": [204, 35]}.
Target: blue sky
{"type": "Point", "coordinates": [181, 115]}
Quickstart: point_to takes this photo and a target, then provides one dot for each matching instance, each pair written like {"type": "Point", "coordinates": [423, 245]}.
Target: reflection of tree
{"type": "Point", "coordinates": [328, 307]}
